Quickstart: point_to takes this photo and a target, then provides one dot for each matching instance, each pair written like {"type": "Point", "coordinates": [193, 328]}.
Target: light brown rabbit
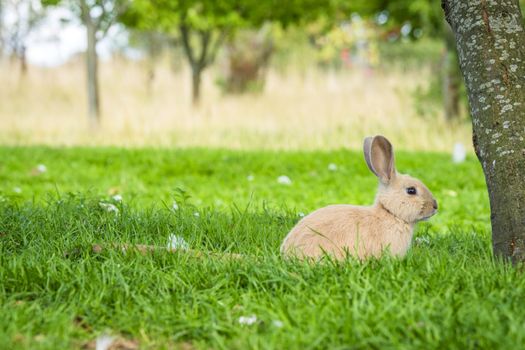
{"type": "Point", "coordinates": [341, 230]}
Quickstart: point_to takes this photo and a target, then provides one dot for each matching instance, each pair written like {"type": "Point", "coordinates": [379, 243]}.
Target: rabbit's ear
{"type": "Point", "coordinates": [379, 156]}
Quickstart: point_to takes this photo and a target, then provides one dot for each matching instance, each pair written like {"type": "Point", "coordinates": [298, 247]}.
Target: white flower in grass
{"type": "Point", "coordinates": [301, 214]}
{"type": "Point", "coordinates": [41, 168]}
{"type": "Point", "coordinates": [250, 177]}
{"type": "Point", "coordinates": [17, 190]}
{"type": "Point", "coordinates": [177, 242]}
{"type": "Point", "coordinates": [110, 208]}
{"type": "Point", "coordinates": [196, 214]}
{"type": "Point", "coordinates": [459, 153]}
{"type": "Point", "coordinates": [278, 324]}
{"type": "Point", "coordinates": [284, 180]}
{"type": "Point", "coordinates": [422, 240]}
{"type": "Point", "coordinates": [104, 342]}
{"type": "Point", "coordinates": [332, 167]}
{"type": "Point", "coordinates": [248, 320]}
{"type": "Point", "coordinates": [117, 198]}
{"type": "Point", "coordinates": [175, 206]}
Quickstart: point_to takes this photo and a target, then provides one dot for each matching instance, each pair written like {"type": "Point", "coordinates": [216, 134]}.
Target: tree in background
{"type": "Point", "coordinates": [97, 16]}
{"type": "Point", "coordinates": [490, 38]}
{"type": "Point", "coordinates": [248, 54]}
{"type": "Point", "coordinates": [202, 26]}
{"type": "Point", "coordinates": [247, 59]}
{"type": "Point", "coordinates": [1, 28]}
{"type": "Point", "coordinates": [24, 18]}
{"type": "Point", "coordinates": [424, 17]}
{"type": "Point", "coordinates": [199, 26]}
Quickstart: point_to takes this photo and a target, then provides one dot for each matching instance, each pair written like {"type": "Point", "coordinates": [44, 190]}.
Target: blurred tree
{"type": "Point", "coordinates": [199, 26]}
{"type": "Point", "coordinates": [97, 16]}
{"type": "Point", "coordinates": [421, 17]}
{"type": "Point", "coordinates": [450, 76]}
{"type": "Point", "coordinates": [490, 37]}
{"type": "Point", "coordinates": [414, 19]}
{"type": "Point", "coordinates": [24, 17]}
{"type": "Point", "coordinates": [246, 61]}
{"type": "Point", "coordinates": [1, 28]}
{"type": "Point", "coordinates": [202, 26]}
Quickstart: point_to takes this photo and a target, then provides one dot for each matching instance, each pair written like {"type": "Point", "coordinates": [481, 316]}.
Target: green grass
{"type": "Point", "coordinates": [56, 293]}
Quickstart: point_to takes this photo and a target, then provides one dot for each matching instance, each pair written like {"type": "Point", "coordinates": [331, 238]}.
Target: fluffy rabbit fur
{"type": "Point", "coordinates": [341, 230]}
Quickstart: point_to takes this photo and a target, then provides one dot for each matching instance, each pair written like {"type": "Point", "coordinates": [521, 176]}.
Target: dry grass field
{"type": "Point", "coordinates": [312, 110]}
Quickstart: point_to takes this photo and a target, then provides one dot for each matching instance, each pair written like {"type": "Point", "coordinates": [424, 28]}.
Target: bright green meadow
{"type": "Point", "coordinates": [56, 293]}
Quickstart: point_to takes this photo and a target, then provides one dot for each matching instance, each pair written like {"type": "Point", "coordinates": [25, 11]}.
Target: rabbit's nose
{"type": "Point", "coordinates": [435, 204]}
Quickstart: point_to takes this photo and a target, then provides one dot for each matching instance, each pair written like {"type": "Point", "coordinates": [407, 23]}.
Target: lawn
{"type": "Point", "coordinates": [56, 293]}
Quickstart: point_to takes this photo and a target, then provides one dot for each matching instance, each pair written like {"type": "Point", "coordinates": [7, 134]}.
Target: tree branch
{"type": "Point", "coordinates": [84, 12]}
{"type": "Point", "coordinates": [109, 16]}
{"type": "Point", "coordinates": [205, 42]}
{"type": "Point", "coordinates": [185, 35]}
{"type": "Point", "coordinates": [98, 22]}
{"type": "Point", "coordinates": [215, 47]}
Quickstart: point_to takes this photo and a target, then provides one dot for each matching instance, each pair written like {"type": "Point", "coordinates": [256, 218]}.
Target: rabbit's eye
{"type": "Point", "coordinates": [411, 190]}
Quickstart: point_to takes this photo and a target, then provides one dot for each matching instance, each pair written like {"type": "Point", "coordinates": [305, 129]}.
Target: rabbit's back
{"type": "Point", "coordinates": [346, 229]}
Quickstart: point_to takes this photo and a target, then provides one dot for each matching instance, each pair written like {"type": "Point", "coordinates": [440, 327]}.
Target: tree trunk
{"type": "Point", "coordinates": [450, 77]}
{"type": "Point", "coordinates": [198, 63]}
{"type": "Point", "coordinates": [1, 30]}
{"type": "Point", "coordinates": [196, 74]}
{"type": "Point", "coordinates": [92, 75]}
{"type": "Point", "coordinates": [23, 60]}
{"type": "Point", "coordinates": [491, 46]}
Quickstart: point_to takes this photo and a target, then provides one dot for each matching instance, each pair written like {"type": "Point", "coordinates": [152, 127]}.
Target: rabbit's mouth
{"type": "Point", "coordinates": [425, 218]}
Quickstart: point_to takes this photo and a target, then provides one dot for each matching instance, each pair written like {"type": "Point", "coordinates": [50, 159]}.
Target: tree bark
{"type": "Point", "coordinates": [491, 46]}
{"type": "Point", "coordinates": [196, 85]}
{"type": "Point", "coordinates": [92, 75]}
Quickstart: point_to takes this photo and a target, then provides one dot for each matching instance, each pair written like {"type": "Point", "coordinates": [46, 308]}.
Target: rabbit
{"type": "Point", "coordinates": [363, 232]}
